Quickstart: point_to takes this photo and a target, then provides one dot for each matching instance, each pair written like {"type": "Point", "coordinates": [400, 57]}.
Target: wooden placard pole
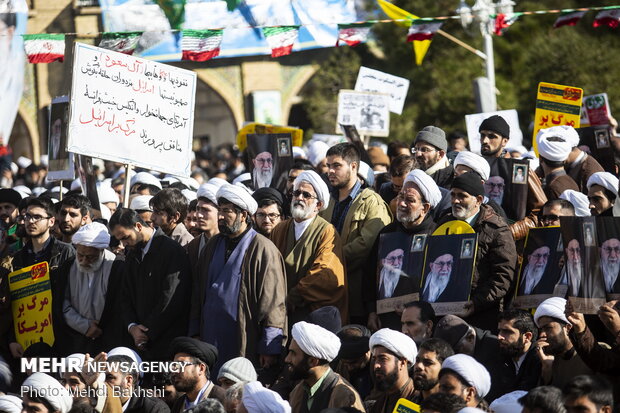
{"type": "Point", "coordinates": [60, 189]}
{"type": "Point", "coordinates": [126, 189]}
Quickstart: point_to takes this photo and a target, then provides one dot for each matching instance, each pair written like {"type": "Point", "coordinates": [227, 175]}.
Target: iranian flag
{"type": "Point", "coordinates": [122, 42]}
{"type": "Point", "coordinates": [201, 45]}
{"type": "Point", "coordinates": [609, 18]}
{"type": "Point", "coordinates": [44, 48]}
{"type": "Point", "coordinates": [423, 29]}
{"type": "Point", "coordinates": [504, 21]}
{"type": "Point", "coordinates": [353, 34]}
{"type": "Point", "coordinates": [569, 19]}
{"type": "Point", "coordinates": [281, 39]}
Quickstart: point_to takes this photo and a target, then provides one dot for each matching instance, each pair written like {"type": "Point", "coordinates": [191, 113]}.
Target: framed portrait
{"type": "Point", "coordinates": [61, 164]}
{"type": "Point", "coordinates": [608, 230]}
{"type": "Point", "coordinates": [467, 248]}
{"type": "Point", "coordinates": [284, 147]}
{"type": "Point", "coordinates": [418, 243]}
{"type": "Point", "coordinates": [601, 137]}
{"type": "Point", "coordinates": [519, 174]}
{"type": "Point", "coordinates": [266, 164]}
{"type": "Point", "coordinates": [507, 186]}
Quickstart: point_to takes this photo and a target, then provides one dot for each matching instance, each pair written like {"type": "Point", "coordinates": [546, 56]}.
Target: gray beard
{"type": "Point", "coordinates": [497, 199]}
{"type": "Point", "coordinates": [461, 212]}
{"type": "Point", "coordinates": [406, 218]}
{"type": "Point", "coordinates": [533, 272]}
{"type": "Point", "coordinates": [262, 178]}
{"type": "Point", "coordinates": [300, 212]}
{"type": "Point", "coordinates": [610, 273]}
{"type": "Point", "coordinates": [574, 276]}
{"type": "Point", "coordinates": [93, 267]}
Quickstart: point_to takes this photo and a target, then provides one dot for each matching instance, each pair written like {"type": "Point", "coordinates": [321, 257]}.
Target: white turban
{"type": "Point", "coordinates": [319, 185]}
{"type": "Point", "coordinates": [126, 351]}
{"type": "Point", "coordinates": [107, 194]}
{"type": "Point", "coordinates": [191, 183]}
{"type": "Point", "coordinates": [146, 179]}
{"type": "Point", "coordinates": [189, 194]}
{"type": "Point", "coordinates": [552, 307]}
{"type": "Point", "coordinates": [428, 188]}
{"type": "Point", "coordinates": [299, 153]}
{"type": "Point", "coordinates": [554, 150]}
{"type": "Point", "coordinates": [238, 196]}
{"type": "Point", "coordinates": [10, 404]}
{"type": "Point", "coordinates": [141, 203]}
{"type": "Point", "coordinates": [208, 191]}
{"type": "Point", "coordinates": [316, 341]}
{"type": "Point", "coordinates": [23, 190]}
{"type": "Point", "coordinates": [51, 390]}
{"type": "Point", "coordinates": [579, 201]}
{"type": "Point", "coordinates": [508, 403]}
{"type": "Point", "coordinates": [219, 182]}
{"type": "Point", "coordinates": [94, 235]}
{"type": "Point", "coordinates": [470, 410]}
{"type": "Point", "coordinates": [474, 373]}
{"type": "Point", "coordinates": [604, 179]}
{"type": "Point", "coordinates": [258, 399]}
{"type": "Point", "coordinates": [74, 366]}
{"type": "Point", "coordinates": [317, 151]}
{"type": "Point", "coordinates": [395, 341]}
{"type": "Point", "coordinates": [76, 184]}
{"type": "Point", "coordinates": [105, 212]}
{"type": "Point", "coordinates": [366, 173]}
{"type": "Point", "coordinates": [475, 162]}
{"type": "Point", "coordinates": [243, 177]}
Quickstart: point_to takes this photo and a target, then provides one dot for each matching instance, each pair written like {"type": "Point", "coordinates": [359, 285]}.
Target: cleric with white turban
{"type": "Point", "coordinates": [237, 196]}
{"type": "Point", "coordinates": [94, 235]}
{"type": "Point", "coordinates": [319, 185]}
{"type": "Point", "coordinates": [427, 186]}
{"type": "Point", "coordinates": [565, 132]}
{"type": "Point", "coordinates": [474, 162]}
{"type": "Point", "coordinates": [208, 192]}
{"type": "Point", "coordinates": [474, 373]}
{"type": "Point", "coordinates": [47, 388]}
{"type": "Point", "coordinates": [317, 151]}
{"type": "Point", "coordinates": [553, 145]}
{"type": "Point", "coordinates": [509, 402]}
{"type": "Point", "coordinates": [258, 399]}
{"type": "Point", "coordinates": [10, 404]}
{"type": "Point", "coordinates": [579, 200]}
{"type": "Point", "coordinates": [398, 343]}
{"type": "Point", "coordinates": [553, 307]}
{"type": "Point", "coordinates": [606, 180]}
{"type": "Point", "coordinates": [316, 341]}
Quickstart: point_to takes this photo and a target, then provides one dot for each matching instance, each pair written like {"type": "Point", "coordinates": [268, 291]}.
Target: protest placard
{"type": "Point", "coordinates": [131, 110]}
{"type": "Point", "coordinates": [597, 109]}
{"type": "Point", "coordinates": [31, 304]}
{"type": "Point", "coordinates": [369, 112]}
{"type": "Point", "coordinates": [60, 162]}
{"type": "Point", "coordinates": [270, 158]}
{"type": "Point", "coordinates": [556, 105]}
{"type": "Point", "coordinates": [370, 80]}
{"type": "Point", "coordinates": [473, 122]}
{"type": "Point", "coordinates": [261, 129]}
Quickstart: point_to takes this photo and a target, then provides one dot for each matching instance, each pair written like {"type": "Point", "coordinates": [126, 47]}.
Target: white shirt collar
{"type": "Point", "coordinates": [300, 227]}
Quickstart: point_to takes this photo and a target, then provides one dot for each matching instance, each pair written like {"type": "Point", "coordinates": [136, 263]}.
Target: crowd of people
{"type": "Point", "coordinates": [267, 299]}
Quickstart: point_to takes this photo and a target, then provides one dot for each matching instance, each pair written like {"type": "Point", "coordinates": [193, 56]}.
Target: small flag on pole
{"type": "Point", "coordinates": [569, 19]}
{"type": "Point", "coordinates": [504, 21]}
{"type": "Point", "coordinates": [122, 42]}
{"type": "Point", "coordinates": [609, 18]}
{"type": "Point", "coordinates": [201, 45]}
{"type": "Point", "coordinates": [281, 39]}
{"type": "Point", "coordinates": [44, 48]}
{"type": "Point", "coordinates": [423, 29]}
{"type": "Point", "coordinates": [353, 34]}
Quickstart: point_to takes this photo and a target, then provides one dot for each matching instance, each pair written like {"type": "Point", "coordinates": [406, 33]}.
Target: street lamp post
{"type": "Point", "coordinates": [481, 14]}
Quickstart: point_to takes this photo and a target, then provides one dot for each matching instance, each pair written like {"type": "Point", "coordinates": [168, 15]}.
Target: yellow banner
{"type": "Point", "coordinates": [556, 105]}
{"type": "Point", "coordinates": [297, 135]}
{"type": "Point", "coordinates": [31, 303]}
{"type": "Point", "coordinates": [405, 406]}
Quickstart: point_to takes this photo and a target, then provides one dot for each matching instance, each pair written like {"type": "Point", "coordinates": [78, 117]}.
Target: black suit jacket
{"type": "Point", "coordinates": [506, 378]}
{"type": "Point", "coordinates": [146, 405]}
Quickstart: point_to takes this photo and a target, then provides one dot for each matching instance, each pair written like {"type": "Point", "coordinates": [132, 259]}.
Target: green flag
{"type": "Point", "coordinates": [174, 11]}
{"type": "Point", "coordinates": [232, 4]}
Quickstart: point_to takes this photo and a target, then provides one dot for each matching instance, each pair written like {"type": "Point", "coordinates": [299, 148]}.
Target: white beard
{"type": "Point", "coordinates": [436, 285]}
{"type": "Point", "coordinates": [498, 199]}
{"type": "Point", "coordinates": [389, 279]}
{"type": "Point", "coordinates": [532, 277]}
{"type": "Point", "coordinates": [610, 273]}
{"type": "Point", "coordinates": [301, 212]}
{"type": "Point", "coordinates": [404, 218]}
{"type": "Point", "coordinates": [262, 179]}
{"type": "Point", "coordinates": [574, 272]}
{"type": "Point", "coordinates": [93, 267]}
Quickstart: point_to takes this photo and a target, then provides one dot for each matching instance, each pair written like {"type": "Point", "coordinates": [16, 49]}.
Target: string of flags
{"type": "Point", "coordinates": [202, 45]}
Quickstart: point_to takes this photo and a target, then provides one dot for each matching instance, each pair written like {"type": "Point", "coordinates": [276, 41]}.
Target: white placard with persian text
{"type": "Point", "coordinates": [131, 110]}
{"type": "Point", "coordinates": [369, 112]}
{"type": "Point", "coordinates": [371, 80]}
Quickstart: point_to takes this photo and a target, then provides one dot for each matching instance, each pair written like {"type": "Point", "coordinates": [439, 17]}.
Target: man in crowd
{"type": "Point", "coordinates": [197, 359]}
{"type": "Point", "coordinates": [520, 369]}
{"type": "Point", "coordinates": [399, 168]}
{"type": "Point", "coordinates": [553, 210]}
{"type": "Point", "coordinates": [588, 394]}
{"type": "Point", "coordinates": [463, 376]}
{"type": "Point", "coordinates": [310, 352]}
{"type": "Point", "coordinates": [559, 360]}
{"type": "Point", "coordinates": [312, 252]}
{"type": "Point", "coordinates": [532, 280]}
{"type": "Point", "coordinates": [42, 246]}
{"type": "Point", "coordinates": [88, 291]}
{"type": "Point", "coordinates": [579, 165]}
{"type": "Point", "coordinates": [393, 353]}
{"type": "Point", "coordinates": [429, 149]}
{"type": "Point", "coordinates": [44, 394]}
{"type": "Point", "coordinates": [238, 304]}
{"type": "Point", "coordinates": [9, 202]}
{"type": "Point", "coordinates": [269, 212]}
{"type": "Point", "coordinates": [169, 211]}
{"type": "Point", "coordinates": [157, 282]}
{"type": "Point", "coordinates": [263, 170]}
{"type": "Point", "coordinates": [497, 255]}
{"type": "Point", "coordinates": [415, 204]}
{"type": "Point", "coordinates": [418, 321]}
{"type": "Point", "coordinates": [143, 183]}
{"type": "Point", "coordinates": [142, 205]}
{"type": "Point", "coordinates": [602, 193]}
{"type": "Point", "coordinates": [206, 222]}
{"type": "Point", "coordinates": [431, 354]}
{"type": "Point", "coordinates": [354, 358]}
{"type": "Point", "coordinates": [543, 399]}
{"type": "Point", "coordinates": [358, 215]}
{"type": "Point", "coordinates": [554, 149]}
{"type": "Point", "coordinates": [73, 213]}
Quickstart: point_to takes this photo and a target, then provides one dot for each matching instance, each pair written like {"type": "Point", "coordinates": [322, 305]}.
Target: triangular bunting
{"type": "Point", "coordinates": [353, 34]}
{"type": "Point", "coordinates": [568, 19]}
{"type": "Point", "coordinates": [609, 18]}
{"type": "Point", "coordinates": [281, 39]}
{"type": "Point", "coordinates": [504, 21]}
{"type": "Point", "coordinates": [420, 48]}
{"type": "Point", "coordinates": [44, 48]}
{"type": "Point", "coordinates": [201, 45]}
{"type": "Point", "coordinates": [423, 29]}
{"type": "Point", "coordinates": [122, 42]}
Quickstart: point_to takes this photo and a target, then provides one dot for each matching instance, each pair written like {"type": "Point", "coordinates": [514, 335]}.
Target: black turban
{"type": "Point", "coordinates": [268, 193]}
{"type": "Point", "coordinates": [204, 351]}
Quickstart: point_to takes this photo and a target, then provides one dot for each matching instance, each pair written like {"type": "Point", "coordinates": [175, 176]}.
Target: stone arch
{"type": "Point", "coordinates": [302, 77]}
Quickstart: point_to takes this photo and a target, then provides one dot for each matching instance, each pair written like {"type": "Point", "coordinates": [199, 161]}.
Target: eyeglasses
{"type": "Point", "coordinates": [609, 250]}
{"type": "Point", "coordinates": [306, 195]}
{"type": "Point", "coordinates": [492, 186]}
{"type": "Point", "coordinates": [264, 161]}
{"type": "Point", "coordinates": [441, 264]}
{"type": "Point", "coordinates": [422, 150]}
{"type": "Point", "coordinates": [539, 256]}
{"type": "Point", "coordinates": [392, 260]}
{"type": "Point", "coordinates": [34, 218]}
{"type": "Point", "coordinates": [272, 216]}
